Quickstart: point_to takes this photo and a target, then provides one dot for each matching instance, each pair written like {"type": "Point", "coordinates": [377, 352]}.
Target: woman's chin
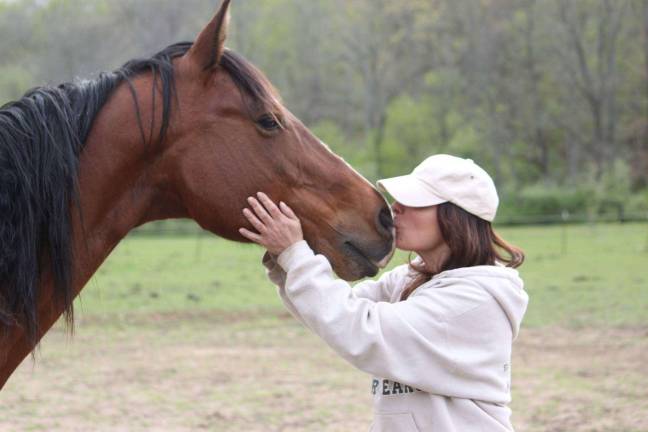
{"type": "Point", "coordinates": [401, 245]}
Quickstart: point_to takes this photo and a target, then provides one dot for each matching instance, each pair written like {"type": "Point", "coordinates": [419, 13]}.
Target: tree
{"type": "Point", "coordinates": [382, 48]}
{"type": "Point", "coordinates": [589, 56]}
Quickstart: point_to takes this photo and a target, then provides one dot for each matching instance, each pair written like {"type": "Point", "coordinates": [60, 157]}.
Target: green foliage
{"type": "Point", "coordinates": [610, 197]}
{"type": "Point", "coordinates": [466, 143]}
{"type": "Point", "coordinates": [637, 204]}
{"type": "Point", "coordinates": [352, 152]}
{"type": "Point", "coordinates": [614, 189]}
{"type": "Point", "coordinates": [541, 203]}
{"type": "Point", "coordinates": [409, 135]}
{"type": "Point", "coordinates": [509, 84]}
{"type": "Point", "coordinates": [420, 127]}
{"type": "Point", "coordinates": [15, 81]}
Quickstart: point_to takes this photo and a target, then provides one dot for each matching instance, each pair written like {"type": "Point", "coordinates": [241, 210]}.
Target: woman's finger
{"type": "Point", "coordinates": [260, 211]}
{"type": "Point", "coordinates": [270, 206]}
{"type": "Point", "coordinates": [256, 223]}
{"type": "Point", "coordinates": [256, 238]}
{"type": "Point", "coordinates": [287, 210]}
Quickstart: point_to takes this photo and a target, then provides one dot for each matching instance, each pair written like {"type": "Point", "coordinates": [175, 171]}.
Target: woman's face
{"type": "Point", "coordinates": [417, 229]}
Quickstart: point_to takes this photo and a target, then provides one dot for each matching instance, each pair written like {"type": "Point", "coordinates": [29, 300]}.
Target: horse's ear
{"type": "Point", "coordinates": [208, 48]}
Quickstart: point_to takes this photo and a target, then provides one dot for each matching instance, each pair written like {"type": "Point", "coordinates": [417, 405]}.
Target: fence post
{"type": "Point", "coordinates": [198, 249]}
{"type": "Point", "coordinates": [646, 245]}
{"type": "Point", "coordinates": [564, 215]}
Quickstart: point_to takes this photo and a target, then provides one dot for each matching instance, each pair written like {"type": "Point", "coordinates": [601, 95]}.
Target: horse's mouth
{"type": "Point", "coordinates": [371, 264]}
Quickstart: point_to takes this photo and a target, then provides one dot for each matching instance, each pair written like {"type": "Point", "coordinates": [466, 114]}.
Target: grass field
{"type": "Point", "coordinates": [576, 276]}
{"type": "Point", "coordinates": [186, 334]}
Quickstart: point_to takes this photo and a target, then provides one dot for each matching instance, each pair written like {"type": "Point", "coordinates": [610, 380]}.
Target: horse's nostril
{"type": "Point", "coordinates": [385, 219]}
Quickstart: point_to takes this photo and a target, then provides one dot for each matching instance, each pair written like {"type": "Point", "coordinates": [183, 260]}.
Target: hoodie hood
{"type": "Point", "coordinates": [503, 283]}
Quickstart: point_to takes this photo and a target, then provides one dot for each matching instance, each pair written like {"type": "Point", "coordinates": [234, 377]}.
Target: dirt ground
{"type": "Point", "coordinates": [174, 373]}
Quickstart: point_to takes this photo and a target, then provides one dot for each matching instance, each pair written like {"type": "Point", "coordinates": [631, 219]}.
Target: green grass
{"type": "Point", "coordinates": [585, 275]}
{"type": "Point", "coordinates": [176, 274]}
{"type": "Point", "coordinates": [576, 276]}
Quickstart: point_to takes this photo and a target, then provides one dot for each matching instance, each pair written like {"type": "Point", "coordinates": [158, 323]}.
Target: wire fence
{"type": "Point", "coordinates": [567, 230]}
{"type": "Point", "coordinates": [185, 227]}
{"type": "Point", "coordinates": [565, 217]}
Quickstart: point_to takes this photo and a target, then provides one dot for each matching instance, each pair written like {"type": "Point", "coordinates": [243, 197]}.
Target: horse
{"type": "Point", "coordinates": [187, 133]}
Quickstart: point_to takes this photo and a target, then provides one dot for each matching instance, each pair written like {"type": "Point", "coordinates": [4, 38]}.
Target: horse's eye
{"type": "Point", "coordinates": [268, 122]}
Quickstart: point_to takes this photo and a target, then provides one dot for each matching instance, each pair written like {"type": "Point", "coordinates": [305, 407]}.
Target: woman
{"type": "Point", "coordinates": [436, 333]}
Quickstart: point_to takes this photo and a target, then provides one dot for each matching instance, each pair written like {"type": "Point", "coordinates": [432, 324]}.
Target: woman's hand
{"type": "Point", "coordinates": [278, 227]}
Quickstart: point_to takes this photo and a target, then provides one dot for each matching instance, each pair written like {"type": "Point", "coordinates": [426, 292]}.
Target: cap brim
{"type": "Point", "coordinates": [410, 191]}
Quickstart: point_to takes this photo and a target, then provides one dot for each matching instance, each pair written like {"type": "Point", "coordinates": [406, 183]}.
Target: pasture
{"type": "Point", "coordinates": [185, 333]}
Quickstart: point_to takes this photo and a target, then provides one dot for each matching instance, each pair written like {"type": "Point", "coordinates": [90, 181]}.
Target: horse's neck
{"type": "Point", "coordinates": [115, 195]}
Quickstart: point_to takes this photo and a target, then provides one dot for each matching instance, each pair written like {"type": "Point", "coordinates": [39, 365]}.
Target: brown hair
{"type": "Point", "coordinates": [472, 242]}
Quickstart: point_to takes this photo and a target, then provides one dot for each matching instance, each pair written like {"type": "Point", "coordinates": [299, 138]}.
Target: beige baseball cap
{"type": "Point", "coordinates": [444, 178]}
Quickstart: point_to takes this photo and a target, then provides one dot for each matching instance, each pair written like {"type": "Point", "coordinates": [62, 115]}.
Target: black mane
{"type": "Point", "coordinates": [41, 137]}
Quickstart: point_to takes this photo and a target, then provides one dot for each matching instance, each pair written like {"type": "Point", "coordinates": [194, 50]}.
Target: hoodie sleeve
{"type": "Point", "coordinates": [381, 290]}
{"type": "Point", "coordinates": [404, 341]}
{"type": "Point", "coordinates": [278, 276]}
{"type": "Point", "coordinates": [374, 290]}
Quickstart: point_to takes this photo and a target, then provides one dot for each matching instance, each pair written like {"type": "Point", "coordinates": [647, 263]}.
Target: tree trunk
{"type": "Point", "coordinates": [645, 40]}
{"type": "Point", "coordinates": [378, 138]}
{"type": "Point", "coordinates": [539, 136]}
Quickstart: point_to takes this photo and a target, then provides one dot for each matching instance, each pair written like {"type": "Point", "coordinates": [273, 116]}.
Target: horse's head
{"type": "Point", "coordinates": [232, 137]}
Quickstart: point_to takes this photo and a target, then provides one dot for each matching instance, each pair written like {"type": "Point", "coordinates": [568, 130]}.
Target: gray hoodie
{"type": "Point", "coordinates": [441, 360]}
